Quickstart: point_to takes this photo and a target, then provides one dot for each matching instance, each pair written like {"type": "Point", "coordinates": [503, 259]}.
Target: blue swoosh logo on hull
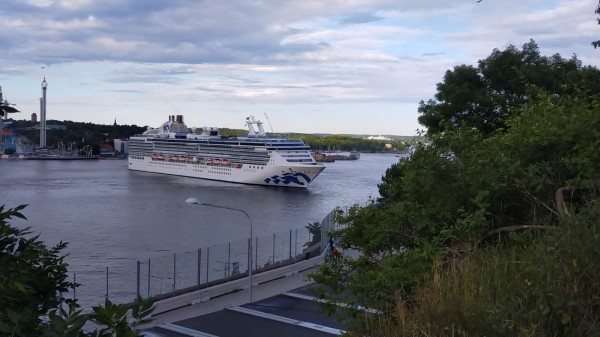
{"type": "Point", "coordinates": [289, 178]}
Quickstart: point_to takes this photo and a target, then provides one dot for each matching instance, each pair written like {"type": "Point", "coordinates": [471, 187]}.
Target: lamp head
{"type": "Point", "coordinates": [192, 201]}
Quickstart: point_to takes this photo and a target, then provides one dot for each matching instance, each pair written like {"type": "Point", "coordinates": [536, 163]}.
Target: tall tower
{"type": "Point", "coordinates": [43, 114]}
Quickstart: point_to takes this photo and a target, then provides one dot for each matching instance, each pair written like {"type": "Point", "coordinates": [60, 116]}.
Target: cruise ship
{"type": "Point", "coordinates": [257, 159]}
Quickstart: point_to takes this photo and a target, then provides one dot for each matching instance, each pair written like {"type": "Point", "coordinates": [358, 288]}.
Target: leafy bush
{"type": "Point", "coordinates": [548, 287]}
{"type": "Point", "coordinates": [456, 189]}
{"type": "Point", "coordinates": [32, 278]}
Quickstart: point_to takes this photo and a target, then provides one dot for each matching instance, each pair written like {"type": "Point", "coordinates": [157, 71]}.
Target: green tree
{"type": "Point", "coordinates": [314, 231]}
{"type": "Point", "coordinates": [483, 97]}
{"type": "Point", "coordinates": [32, 278]}
{"type": "Point", "coordinates": [465, 182]}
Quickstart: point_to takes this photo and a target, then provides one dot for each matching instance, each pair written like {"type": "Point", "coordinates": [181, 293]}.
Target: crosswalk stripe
{"type": "Point", "coordinates": [183, 330]}
{"type": "Point", "coordinates": [287, 320]}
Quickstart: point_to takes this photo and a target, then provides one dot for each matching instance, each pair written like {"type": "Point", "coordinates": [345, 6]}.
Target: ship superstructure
{"type": "Point", "coordinates": [257, 159]}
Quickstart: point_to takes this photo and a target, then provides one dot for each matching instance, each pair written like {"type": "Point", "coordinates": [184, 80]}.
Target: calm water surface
{"type": "Point", "coordinates": [112, 217]}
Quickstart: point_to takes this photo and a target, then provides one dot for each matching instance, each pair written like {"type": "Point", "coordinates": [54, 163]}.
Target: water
{"type": "Point", "coordinates": [112, 217]}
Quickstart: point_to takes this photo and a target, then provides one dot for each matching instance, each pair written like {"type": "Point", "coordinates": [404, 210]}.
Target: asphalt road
{"type": "Point", "coordinates": [290, 314]}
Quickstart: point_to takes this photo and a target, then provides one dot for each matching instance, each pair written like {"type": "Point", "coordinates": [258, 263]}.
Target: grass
{"type": "Point", "coordinates": [528, 284]}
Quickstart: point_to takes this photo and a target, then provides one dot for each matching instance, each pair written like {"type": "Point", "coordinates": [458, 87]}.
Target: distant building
{"type": "Point", "coordinates": [121, 146]}
{"type": "Point", "coordinates": [378, 138]}
{"type": "Point", "coordinates": [107, 150]}
{"type": "Point", "coordinates": [50, 127]}
{"type": "Point", "coordinates": [34, 117]}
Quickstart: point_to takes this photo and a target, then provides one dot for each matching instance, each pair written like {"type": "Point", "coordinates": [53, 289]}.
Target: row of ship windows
{"type": "Point", "coordinates": [299, 160]}
{"type": "Point", "coordinates": [193, 151]}
{"type": "Point", "coordinates": [223, 173]}
{"type": "Point", "coordinates": [183, 165]}
{"type": "Point", "coordinates": [247, 147]}
{"type": "Point", "coordinates": [167, 164]}
{"type": "Point", "coordinates": [243, 160]}
{"type": "Point", "coordinates": [213, 172]}
{"type": "Point", "coordinates": [217, 170]}
{"type": "Point", "coordinates": [221, 168]}
{"type": "Point", "coordinates": [202, 152]}
{"type": "Point", "coordinates": [296, 155]}
{"type": "Point", "coordinates": [250, 146]}
{"type": "Point", "coordinates": [247, 155]}
{"type": "Point", "coordinates": [213, 168]}
{"type": "Point", "coordinates": [208, 149]}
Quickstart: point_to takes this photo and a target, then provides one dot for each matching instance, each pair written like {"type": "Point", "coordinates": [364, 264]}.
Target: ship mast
{"type": "Point", "coordinates": [269, 122]}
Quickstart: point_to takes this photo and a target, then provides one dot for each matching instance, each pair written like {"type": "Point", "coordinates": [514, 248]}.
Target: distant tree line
{"type": "Point", "coordinates": [80, 133]}
{"type": "Point", "coordinates": [83, 134]}
{"type": "Point", "coordinates": [340, 142]}
{"type": "Point", "coordinates": [353, 143]}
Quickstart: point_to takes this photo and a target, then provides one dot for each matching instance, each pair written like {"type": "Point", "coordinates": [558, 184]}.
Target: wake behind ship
{"type": "Point", "coordinates": [256, 159]}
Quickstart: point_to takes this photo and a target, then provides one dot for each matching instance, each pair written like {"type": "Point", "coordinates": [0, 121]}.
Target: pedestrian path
{"type": "Point", "coordinates": [280, 307]}
{"type": "Point", "coordinates": [237, 298]}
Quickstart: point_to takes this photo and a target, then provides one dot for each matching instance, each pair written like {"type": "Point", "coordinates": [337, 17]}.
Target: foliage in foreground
{"type": "Point", "coordinates": [32, 278]}
{"type": "Point", "coordinates": [438, 208]}
{"type": "Point", "coordinates": [546, 286]}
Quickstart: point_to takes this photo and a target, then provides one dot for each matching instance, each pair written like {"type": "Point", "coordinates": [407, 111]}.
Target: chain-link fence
{"type": "Point", "coordinates": [182, 271]}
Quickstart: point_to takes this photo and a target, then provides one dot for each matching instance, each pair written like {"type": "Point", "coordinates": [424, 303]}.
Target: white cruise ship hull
{"type": "Point", "coordinates": [297, 176]}
{"type": "Point", "coordinates": [256, 159]}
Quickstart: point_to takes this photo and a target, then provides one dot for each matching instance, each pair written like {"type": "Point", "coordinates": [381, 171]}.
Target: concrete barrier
{"type": "Point", "coordinates": [206, 294]}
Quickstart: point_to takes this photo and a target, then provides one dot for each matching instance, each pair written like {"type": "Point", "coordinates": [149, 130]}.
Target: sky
{"type": "Point", "coordinates": [307, 66]}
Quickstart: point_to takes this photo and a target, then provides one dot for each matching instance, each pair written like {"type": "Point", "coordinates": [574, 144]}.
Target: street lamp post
{"type": "Point", "coordinates": [195, 201]}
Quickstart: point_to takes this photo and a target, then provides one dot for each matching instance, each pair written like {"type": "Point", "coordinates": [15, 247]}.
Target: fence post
{"type": "Point", "coordinates": [74, 288]}
{"type": "Point", "coordinates": [199, 263]}
{"type": "Point", "coordinates": [106, 283]}
{"type": "Point", "coordinates": [207, 262]}
{"type": "Point", "coordinates": [290, 255]}
{"type": "Point", "coordinates": [138, 280]}
{"type": "Point", "coordinates": [249, 260]}
{"type": "Point", "coordinates": [61, 304]}
{"type": "Point", "coordinates": [273, 248]}
{"type": "Point", "coordinates": [256, 254]}
{"type": "Point", "coordinates": [174, 270]}
{"type": "Point", "coordinates": [228, 258]}
{"type": "Point", "coordinates": [149, 278]}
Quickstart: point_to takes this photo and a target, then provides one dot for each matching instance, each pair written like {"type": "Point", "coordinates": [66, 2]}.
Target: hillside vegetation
{"type": "Point", "coordinates": [491, 227]}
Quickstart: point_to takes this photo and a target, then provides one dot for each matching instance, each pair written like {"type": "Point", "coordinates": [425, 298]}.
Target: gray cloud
{"type": "Point", "coordinates": [294, 52]}
{"type": "Point", "coordinates": [360, 18]}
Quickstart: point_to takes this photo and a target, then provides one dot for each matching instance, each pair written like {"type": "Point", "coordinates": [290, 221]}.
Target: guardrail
{"type": "Point", "coordinates": [206, 294]}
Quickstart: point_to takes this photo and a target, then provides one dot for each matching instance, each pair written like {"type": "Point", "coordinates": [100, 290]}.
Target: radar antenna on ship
{"type": "Point", "coordinates": [250, 121]}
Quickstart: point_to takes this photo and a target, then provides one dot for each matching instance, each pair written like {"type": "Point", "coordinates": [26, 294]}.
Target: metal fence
{"type": "Point", "coordinates": [123, 281]}
{"type": "Point", "coordinates": [219, 262]}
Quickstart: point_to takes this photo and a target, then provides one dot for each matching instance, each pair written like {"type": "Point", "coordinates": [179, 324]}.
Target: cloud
{"type": "Point", "coordinates": [360, 18]}
{"type": "Point", "coordinates": [325, 53]}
